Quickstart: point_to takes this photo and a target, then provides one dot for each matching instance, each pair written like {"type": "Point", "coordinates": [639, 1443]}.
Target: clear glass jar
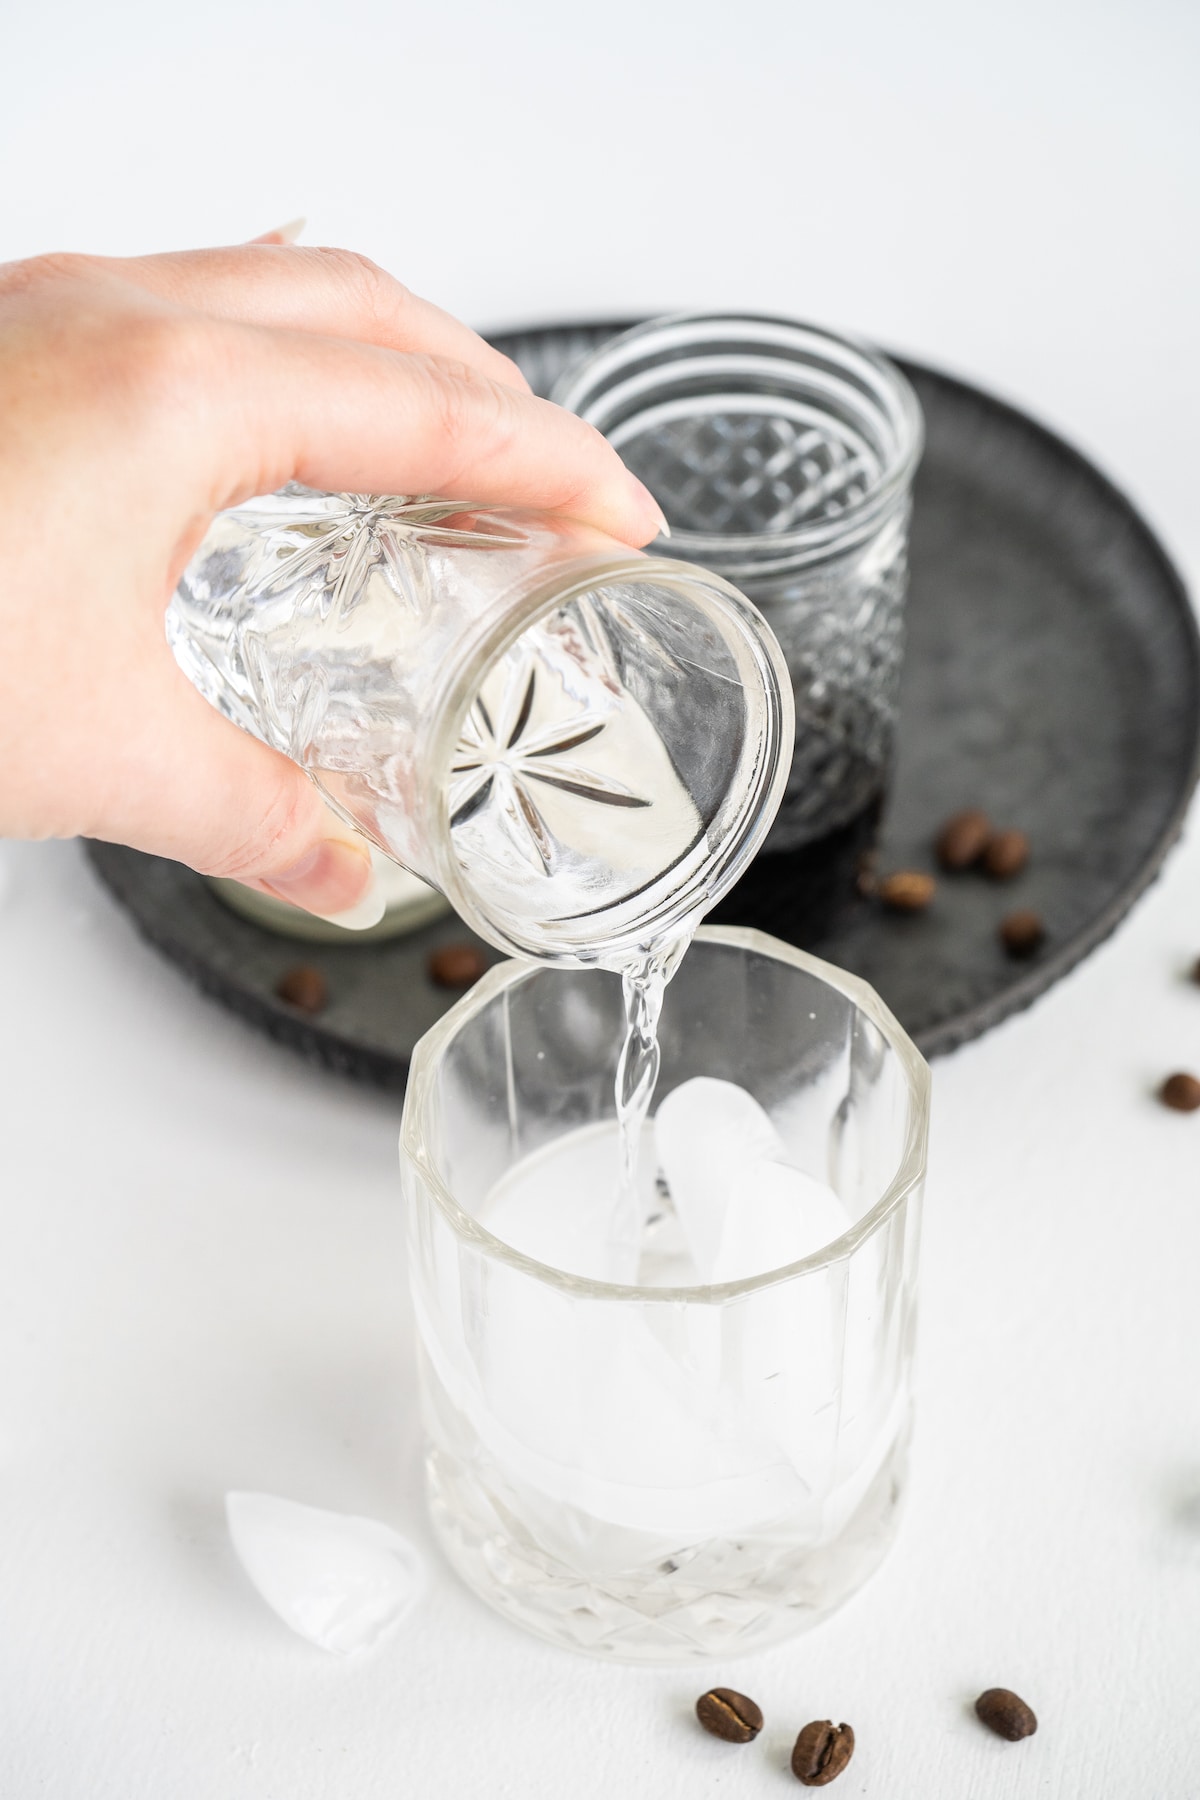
{"type": "Point", "coordinates": [579, 745]}
{"type": "Point", "coordinates": [669, 1470]}
{"type": "Point", "coordinates": [783, 456]}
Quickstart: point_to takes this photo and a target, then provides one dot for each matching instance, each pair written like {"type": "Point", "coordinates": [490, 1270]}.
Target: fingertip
{"type": "Point", "coordinates": [333, 879]}
{"type": "Point", "coordinates": [365, 913]}
{"type": "Point", "coordinates": [648, 519]}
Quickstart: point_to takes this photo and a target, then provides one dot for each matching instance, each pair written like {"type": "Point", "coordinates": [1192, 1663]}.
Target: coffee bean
{"type": "Point", "coordinates": [907, 891]}
{"type": "Point", "coordinates": [729, 1715]}
{"type": "Point", "coordinates": [822, 1751]}
{"type": "Point", "coordinates": [1180, 1092]}
{"type": "Point", "coordinates": [963, 840]}
{"type": "Point", "coordinates": [304, 988]}
{"type": "Point", "coordinates": [456, 965]}
{"type": "Point", "coordinates": [1022, 933]}
{"type": "Point", "coordinates": [1006, 1714]}
{"type": "Point", "coordinates": [1006, 854]}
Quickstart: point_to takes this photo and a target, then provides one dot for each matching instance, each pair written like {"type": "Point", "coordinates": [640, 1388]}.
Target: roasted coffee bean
{"type": "Point", "coordinates": [1022, 933]}
{"type": "Point", "coordinates": [963, 840]}
{"type": "Point", "coordinates": [1006, 854]}
{"type": "Point", "coordinates": [822, 1751]}
{"type": "Point", "coordinates": [907, 891]}
{"type": "Point", "coordinates": [456, 965]}
{"type": "Point", "coordinates": [304, 988]}
{"type": "Point", "coordinates": [1180, 1092]}
{"type": "Point", "coordinates": [729, 1715]}
{"type": "Point", "coordinates": [1006, 1714]}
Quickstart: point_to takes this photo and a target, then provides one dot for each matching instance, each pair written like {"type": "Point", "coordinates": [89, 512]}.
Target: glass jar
{"type": "Point", "coordinates": [708, 1458]}
{"type": "Point", "coordinates": [579, 745]}
{"type": "Point", "coordinates": [783, 456]}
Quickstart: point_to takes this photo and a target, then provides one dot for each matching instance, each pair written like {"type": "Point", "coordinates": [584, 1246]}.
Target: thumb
{"type": "Point", "coordinates": [225, 804]}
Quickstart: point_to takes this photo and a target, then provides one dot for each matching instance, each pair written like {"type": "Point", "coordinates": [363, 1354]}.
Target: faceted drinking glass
{"type": "Point", "coordinates": [669, 1470]}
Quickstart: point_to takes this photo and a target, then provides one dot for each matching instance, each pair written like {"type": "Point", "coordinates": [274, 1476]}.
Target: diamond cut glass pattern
{"type": "Point", "coordinates": [782, 455]}
{"type": "Point", "coordinates": [733, 474]}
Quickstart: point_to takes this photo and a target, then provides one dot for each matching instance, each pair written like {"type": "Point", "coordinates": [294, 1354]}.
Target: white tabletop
{"type": "Point", "coordinates": [202, 1267]}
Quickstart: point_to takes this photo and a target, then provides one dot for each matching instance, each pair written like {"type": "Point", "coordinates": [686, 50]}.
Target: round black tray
{"type": "Point", "coordinates": [1052, 677]}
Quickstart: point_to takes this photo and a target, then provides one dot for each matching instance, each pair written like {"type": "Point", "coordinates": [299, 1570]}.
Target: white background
{"type": "Point", "coordinates": [201, 1272]}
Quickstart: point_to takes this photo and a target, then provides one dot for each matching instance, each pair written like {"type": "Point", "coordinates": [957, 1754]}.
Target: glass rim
{"type": "Point", "coordinates": [909, 1172]}
{"type": "Point", "coordinates": [584, 389]}
{"type": "Point", "coordinates": [711, 594]}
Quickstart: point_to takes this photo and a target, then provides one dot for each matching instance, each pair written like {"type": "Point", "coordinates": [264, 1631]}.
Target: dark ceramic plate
{"type": "Point", "coordinates": [1052, 677]}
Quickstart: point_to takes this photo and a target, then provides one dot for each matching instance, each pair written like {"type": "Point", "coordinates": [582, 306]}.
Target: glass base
{"type": "Point", "coordinates": [720, 1598]}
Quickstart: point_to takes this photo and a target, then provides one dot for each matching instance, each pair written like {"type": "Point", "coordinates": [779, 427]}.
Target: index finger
{"type": "Point", "coordinates": [351, 417]}
{"type": "Point", "coordinates": [337, 293]}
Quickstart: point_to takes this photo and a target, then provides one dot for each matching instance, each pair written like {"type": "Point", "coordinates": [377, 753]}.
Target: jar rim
{"type": "Point", "coordinates": [630, 377]}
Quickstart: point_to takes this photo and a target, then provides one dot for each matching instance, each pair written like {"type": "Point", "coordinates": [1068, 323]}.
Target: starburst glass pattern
{"type": "Point", "coordinates": [502, 762]}
{"type": "Point", "coordinates": [612, 630]}
{"type": "Point", "coordinates": [335, 547]}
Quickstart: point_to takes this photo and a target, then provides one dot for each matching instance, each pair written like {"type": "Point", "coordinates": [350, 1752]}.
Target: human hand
{"type": "Point", "coordinates": [139, 397]}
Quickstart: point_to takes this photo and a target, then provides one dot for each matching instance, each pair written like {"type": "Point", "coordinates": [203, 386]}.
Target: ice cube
{"type": "Point", "coordinates": [777, 1214]}
{"type": "Point", "coordinates": [341, 1581]}
{"type": "Point", "coordinates": [606, 1423]}
{"type": "Point", "coordinates": [744, 1207]}
{"type": "Point", "coordinates": [613, 1410]}
{"type": "Point", "coordinates": [664, 1445]}
{"type": "Point", "coordinates": [560, 1205]}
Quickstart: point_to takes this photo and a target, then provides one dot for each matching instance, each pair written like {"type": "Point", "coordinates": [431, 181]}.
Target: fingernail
{"type": "Point", "coordinates": [282, 234]}
{"type": "Point", "coordinates": [649, 505]}
{"type": "Point", "coordinates": [335, 881]}
{"type": "Point", "coordinates": [369, 910]}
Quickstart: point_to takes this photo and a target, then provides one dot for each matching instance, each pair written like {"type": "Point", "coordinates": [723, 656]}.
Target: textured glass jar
{"type": "Point", "coordinates": [662, 1473]}
{"type": "Point", "coordinates": [578, 744]}
{"type": "Point", "coordinates": [782, 456]}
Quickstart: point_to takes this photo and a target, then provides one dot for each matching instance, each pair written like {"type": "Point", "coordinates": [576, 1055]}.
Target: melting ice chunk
{"type": "Point", "coordinates": [341, 1581]}
{"type": "Point", "coordinates": [560, 1205]}
{"type": "Point", "coordinates": [743, 1205]}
